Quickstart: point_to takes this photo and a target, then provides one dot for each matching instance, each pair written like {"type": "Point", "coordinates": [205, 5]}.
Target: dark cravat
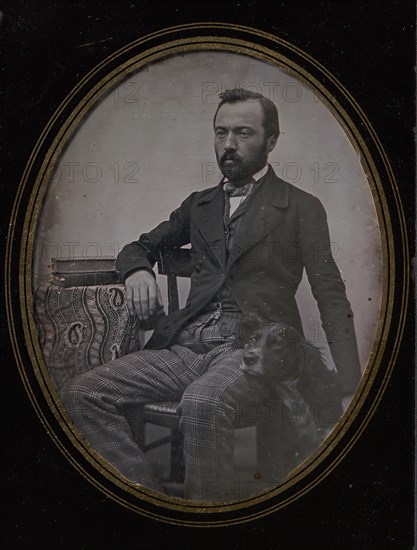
{"type": "Point", "coordinates": [233, 191]}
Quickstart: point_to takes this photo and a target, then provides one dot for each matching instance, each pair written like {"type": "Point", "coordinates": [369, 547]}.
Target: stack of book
{"type": "Point", "coordinates": [68, 272]}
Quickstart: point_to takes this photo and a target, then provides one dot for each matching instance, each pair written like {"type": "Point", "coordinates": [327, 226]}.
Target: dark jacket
{"type": "Point", "coordinates": [283, 231]}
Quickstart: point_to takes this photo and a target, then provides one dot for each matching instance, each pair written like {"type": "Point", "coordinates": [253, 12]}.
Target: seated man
{"type": "Point", "coordinates": [239, 232]}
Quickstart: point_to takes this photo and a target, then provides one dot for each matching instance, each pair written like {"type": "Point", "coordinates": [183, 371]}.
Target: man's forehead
{"type": "Point", "coordinates": [249, 112]}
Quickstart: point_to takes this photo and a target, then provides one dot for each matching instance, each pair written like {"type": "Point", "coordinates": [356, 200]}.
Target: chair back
{"type": "Point", "coordinates": [174, 263]}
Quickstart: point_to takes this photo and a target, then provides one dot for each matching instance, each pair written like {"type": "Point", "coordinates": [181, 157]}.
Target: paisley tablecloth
{"type": "Point", "coordinates": [82, 327]}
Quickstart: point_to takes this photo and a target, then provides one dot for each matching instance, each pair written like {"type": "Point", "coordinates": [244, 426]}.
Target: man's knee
{"type": "Point", "coordinates": [222, 406]}
{"type": "Point", "coordinates": [79, 391]}
{"type": "Point", "coordinates": [201, 407]}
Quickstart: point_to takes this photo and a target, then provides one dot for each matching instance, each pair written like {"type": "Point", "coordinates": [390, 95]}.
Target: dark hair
{"type": "Point", "coordinates": [270, 112]}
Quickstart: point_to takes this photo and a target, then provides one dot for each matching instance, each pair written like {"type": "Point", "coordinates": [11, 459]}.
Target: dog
{"type": "Point", "coordinates": [293, 369]}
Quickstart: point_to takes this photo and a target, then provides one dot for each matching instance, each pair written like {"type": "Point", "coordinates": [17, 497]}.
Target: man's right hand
{"type": "Point", "coordinates": [143, 294]}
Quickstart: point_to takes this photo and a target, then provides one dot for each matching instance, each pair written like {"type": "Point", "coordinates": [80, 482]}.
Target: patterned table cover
{"type": "Point", "coordinates": [83, 327]}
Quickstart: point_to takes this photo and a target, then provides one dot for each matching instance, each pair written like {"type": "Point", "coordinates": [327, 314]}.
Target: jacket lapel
{"type": "Point", "coordinates": [265, 212]}
{"type": "Point", "coordinates": [209, 220]}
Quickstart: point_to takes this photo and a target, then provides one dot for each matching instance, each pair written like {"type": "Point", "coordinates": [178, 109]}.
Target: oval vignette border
{"type": "Point", "coordinates": [108, 74]}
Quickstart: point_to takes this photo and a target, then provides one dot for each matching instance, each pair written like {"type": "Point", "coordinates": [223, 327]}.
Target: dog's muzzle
{"type": "Point", "coordinates": [249, 361]}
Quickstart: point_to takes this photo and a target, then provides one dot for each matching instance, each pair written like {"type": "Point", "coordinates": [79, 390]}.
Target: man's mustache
{"type": "Point", "coordinates": [229, 156]}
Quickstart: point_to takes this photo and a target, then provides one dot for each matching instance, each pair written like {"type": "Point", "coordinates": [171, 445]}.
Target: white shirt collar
{"type": "Point", "coordinates": [234, 202]}
{"type": "Point", "coordinates": [260, 174]}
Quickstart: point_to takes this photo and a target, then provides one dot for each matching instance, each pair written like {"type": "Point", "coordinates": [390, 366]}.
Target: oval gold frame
{"type": "Point", "coordinates": [240, 510]}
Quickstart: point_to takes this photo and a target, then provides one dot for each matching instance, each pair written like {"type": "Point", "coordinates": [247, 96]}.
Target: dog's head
{"type": "Point", "coordinates": [275, 353]}
{"type": "Point", "coordinates": [272, 350]}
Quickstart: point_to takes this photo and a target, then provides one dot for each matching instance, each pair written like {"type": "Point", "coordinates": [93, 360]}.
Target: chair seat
{"type": "Point", "coordinates": [162, 414]}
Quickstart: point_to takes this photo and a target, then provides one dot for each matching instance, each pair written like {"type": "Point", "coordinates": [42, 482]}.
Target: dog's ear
{"type": "Point", "coordinates": [295, 343]}
{"type": "Point", "coordinates": [291, 335]}
{"type": "Point", "coordinates": [320, 386]}
{"type": "Point", "coordinates": [300, 356]}
{"type": "Point", "coordinates": [294, 340]}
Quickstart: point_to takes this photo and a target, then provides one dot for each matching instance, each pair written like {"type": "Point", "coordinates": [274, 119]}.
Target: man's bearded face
{"type": "Point", "coordinates": [239, 140]}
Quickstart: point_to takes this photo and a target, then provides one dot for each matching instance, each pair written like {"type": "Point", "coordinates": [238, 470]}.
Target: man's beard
{"type": "Point", "coordinates": [236, 170]}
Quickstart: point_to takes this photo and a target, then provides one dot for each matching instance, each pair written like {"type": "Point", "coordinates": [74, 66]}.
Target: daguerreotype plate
{"type": "Point", "coordinates": [130, 140]}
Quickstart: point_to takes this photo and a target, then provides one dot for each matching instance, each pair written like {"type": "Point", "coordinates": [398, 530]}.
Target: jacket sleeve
{"type": "Point", "coordinates": [143, 253]}
{"type": "Point", "coordinates": [330, 293]}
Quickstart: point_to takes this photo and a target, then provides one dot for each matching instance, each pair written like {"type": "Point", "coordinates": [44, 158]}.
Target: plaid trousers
{"type": "Point", "coordinates": [201, 370]}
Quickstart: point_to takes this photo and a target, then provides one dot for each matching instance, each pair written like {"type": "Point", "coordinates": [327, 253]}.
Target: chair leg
{"type": "Point", "coordinates": [137, 425]}
{"type": "Point", "coordinates": [177, 457]}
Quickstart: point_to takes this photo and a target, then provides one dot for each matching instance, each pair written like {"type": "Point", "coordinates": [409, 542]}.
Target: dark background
{"type": "Point", "coordinates": [367, 501]}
